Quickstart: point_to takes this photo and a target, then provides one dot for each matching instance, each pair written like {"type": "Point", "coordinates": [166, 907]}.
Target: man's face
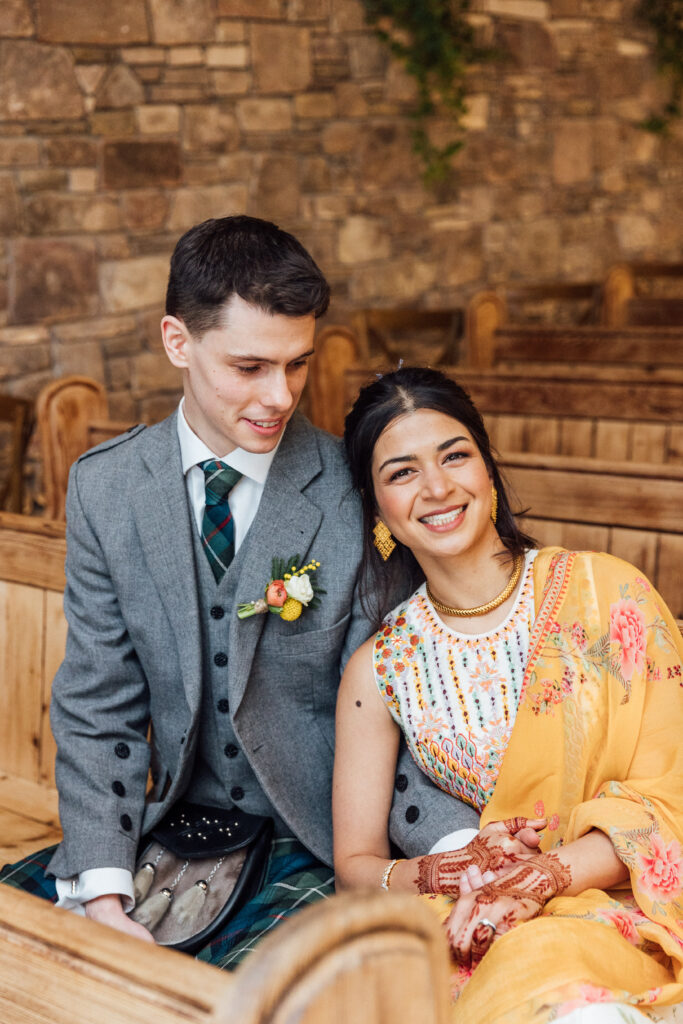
{"type": "Point", "coordinates": [243, 380]}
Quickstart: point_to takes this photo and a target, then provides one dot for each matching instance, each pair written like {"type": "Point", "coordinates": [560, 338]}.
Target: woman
{"type": "Point", "coordinates": [533, 684]}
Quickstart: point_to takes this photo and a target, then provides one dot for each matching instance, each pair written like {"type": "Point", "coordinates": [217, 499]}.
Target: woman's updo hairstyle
{"type": "Point", "coordinates": [392, 395]}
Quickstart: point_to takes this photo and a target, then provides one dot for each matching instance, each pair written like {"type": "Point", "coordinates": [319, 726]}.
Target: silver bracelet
{"type": "Point", "coordinates": [387, 873]}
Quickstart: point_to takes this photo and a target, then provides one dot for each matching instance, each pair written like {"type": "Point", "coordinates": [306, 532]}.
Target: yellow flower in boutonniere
{"type": "Point", "coordinates": [287, 593]}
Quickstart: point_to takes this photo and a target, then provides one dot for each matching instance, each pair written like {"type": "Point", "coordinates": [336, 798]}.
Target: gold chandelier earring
{"type": "Point", "coordinates": [383, 541]}
{"type": "Point", "coordinates": [494, 504]}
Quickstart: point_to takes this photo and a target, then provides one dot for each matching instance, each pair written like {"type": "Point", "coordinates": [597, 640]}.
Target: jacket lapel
{"type": "Point", "coordinates": [163, 521]}
{"type": "Point", "coordinates": [286, 524]}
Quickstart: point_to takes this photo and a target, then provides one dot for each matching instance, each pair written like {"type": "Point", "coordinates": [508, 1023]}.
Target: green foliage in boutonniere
{"type": "Point", "coordinates": [289, 590]}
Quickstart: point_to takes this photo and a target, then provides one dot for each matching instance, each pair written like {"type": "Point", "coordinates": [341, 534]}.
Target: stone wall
{"type": "Point", "coordinates": [124, 122]}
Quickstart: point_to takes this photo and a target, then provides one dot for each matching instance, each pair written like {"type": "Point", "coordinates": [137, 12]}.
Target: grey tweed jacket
{"type": "Point", "coordinates": [133, 656]}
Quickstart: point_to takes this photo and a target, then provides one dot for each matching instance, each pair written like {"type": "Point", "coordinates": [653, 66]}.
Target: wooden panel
{"type": "Point", "coordinates": [542, 434]}
{"type": "Point", "coordinates": [649, 442]}
{"type": "Point", "coordinates": [581, 537]}
{"type": "Point", "coordinates": [57, 968]}
{"type": "Point", "coordinates": [653, 346]}
{"type": "Point", "coordinates": [511, 434]}
{"type": "Point", "coordinates": [577, 437]}
{"type": "Point", "coordinates": [639, 547]}
{"type": "Point", "coordinates": [21, 835]}
{"type": "Point", "coordinates": [675, 451]}
{"type": "Point", "coordinates": [53, 654]}
{"type": "Point", "coordinates": [21, 663]}
{"type": "Point", "coordinates": [598, 494]}
{"type": "Point", "coordinates": [544, 531]}
{"type": "Point", "coordinates": [612, 440]}
{"type": "Point", "coordinates": [32, 551]}
{"type": "Point", "coordinates": [668, 578]}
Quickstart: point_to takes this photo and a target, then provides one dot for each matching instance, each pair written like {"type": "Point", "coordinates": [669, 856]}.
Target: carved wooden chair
{"type": "Point", "coordinates": [416, 335]}
{"type": "Point", "coordinates": [17, 414]}
{"type": "Point", "coordinates": [72, 417]}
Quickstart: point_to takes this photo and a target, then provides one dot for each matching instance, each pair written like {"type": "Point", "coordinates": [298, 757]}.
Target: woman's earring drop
{"type": "Point", "coordinates": [383, 541]}
{"type": "Point", "coordinates": [494, 504]}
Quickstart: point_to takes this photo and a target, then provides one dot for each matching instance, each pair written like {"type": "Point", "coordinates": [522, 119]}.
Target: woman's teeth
{"type": "Point", "coordinates": [443, 517]}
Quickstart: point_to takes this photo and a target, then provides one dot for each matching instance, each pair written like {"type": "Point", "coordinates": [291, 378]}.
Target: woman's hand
{"type": "Point", "coordinates": [502, 902]}
{"type": "Point", "coordinates": [498, 846]}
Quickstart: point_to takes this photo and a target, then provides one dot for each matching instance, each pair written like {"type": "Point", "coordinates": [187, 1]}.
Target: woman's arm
{"type": "Point", "coordinates": [522, 892]}
{"type": "Point", "coordinates": [367, 741]}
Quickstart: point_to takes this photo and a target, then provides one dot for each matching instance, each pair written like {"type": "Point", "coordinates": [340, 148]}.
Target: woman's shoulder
{"type": "Point", "coordinates": [399, 615]}
{"type": "Point", "coordinates": [599, 564]}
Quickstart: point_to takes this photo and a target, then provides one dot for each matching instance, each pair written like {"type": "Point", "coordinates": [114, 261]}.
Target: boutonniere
{"type": "Point", "coordinates": [289, 590]}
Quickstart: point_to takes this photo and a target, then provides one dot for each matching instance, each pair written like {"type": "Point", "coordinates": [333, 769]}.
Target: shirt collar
{"type": "Point", "coordinates": [193, 450]}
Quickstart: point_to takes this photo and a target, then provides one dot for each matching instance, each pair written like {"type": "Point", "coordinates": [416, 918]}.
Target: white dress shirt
{"type": "Point", "coordinates": [245, 497]}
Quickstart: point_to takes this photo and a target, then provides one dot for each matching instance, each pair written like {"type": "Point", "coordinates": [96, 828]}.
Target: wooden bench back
{"type": "Point", "coordinates": [17, 413]}
{"type": "Point", "coordinates": [398, 333]}
{"type": "Point", "coordinates": [623, 300]}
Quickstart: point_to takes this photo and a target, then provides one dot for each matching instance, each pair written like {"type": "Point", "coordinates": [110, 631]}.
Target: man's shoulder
{"type": "Point", "coordinates": [113, 443]}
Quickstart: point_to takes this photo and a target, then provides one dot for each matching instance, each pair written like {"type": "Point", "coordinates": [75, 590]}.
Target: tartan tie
{"type": "Point", "coordinates": [218, 529]}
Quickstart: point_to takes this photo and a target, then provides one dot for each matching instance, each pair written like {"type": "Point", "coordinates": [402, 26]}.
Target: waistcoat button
{"type": "Point", "coordinates": [412, 814]}
{"type": "Point", "coordinates": [217, 612]}
{"type": "Point", "coordinates": [220, 659]}
{"type": "Point", "coordinates": [232, 751]}
{"type": "Point", "coordinates": [236, 792]}
{"type": "Point", "coordinates": [122, 750]}
{"type": "Point", "coordinates": [223, 706]}
{"type": "Point", "coordinates": [126, 823]}
{"type": "Point", "coordinates": [118, 788]}
{"type": "Point", "coordinates": [401, 783]}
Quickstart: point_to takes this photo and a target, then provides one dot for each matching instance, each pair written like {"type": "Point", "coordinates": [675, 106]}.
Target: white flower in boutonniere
{"type": "Point", "coordinates": [289, 590]}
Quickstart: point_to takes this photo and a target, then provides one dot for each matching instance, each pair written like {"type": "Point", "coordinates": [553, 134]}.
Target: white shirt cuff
{"type": "Point", "coordinates": [74, 892]}
{"type": "Point", "coordinates": [454, 840]}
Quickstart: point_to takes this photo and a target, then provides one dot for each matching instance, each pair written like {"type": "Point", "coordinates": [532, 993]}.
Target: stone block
{"type": "Point", "coordinates": [41, 179]}
{"type": "Point", "coordinates": [573, 159]}
{"type": "Point", "coordinates": [15, 19]}
{"type": "Point", "coordinates": [71, 151]}
{"type": "Point", "coordinates": [137, 164]}
{"type": "Point", "coordinates": [133, 284]}
{"type": "Point", "coordinates": [534, 10]}
{"type": "Point", "coordinates": [10, 207]}
{"type": "Point", "coordinates": [231, 83]}
{"type": "Point", "coordinates": [322, 105]}
{"type": "Point", "coordinates": [101, 328]}
{"type": "Point", "coordinates": [158, 119]}
{"type": "Point", "coordinates": [281, 58]}
{"type": "Point", "coordinates": [190, 206]}
{"type": "Point", "coordinates": [20, 362]}
{"type": "Point", "coordinates": [120, 88]}
{"type": "Point", "coordinates": [37, 82]}
{"type": "Point", "coordinates": [635, 234]}
{"type": "Point", "coordinates": [99, 21]}
{"type": "Point", "coordinates": [308, 10]}
{"type": "Point", "coordinates": [113, 123]}
{"type": "Point", "coordinates": [145, 209]}
{"type": "Point", "coordinates": [386, 156]}
{"type": "Point", "coordinates": [83, 358]}
{"type": "Point", "coordinates": [347, 16]}
{"type": "Point", "coordinates": [181, 21]}
{"type": "Point", "coordinates": [19, 152]}
{"type": "Point", "coordinates": [351, 101]}
{"type": "Point", "coordinates": [158, 407]}
{"type": "Point", "coordinates": [211, 128]}
{"type": "Point", "coordinates": [83, 179]}
{"type": "Point", "coordinates": [230, 32]}
{"type": "Point", "coordinates": [400, 280]}
{"type": "Point", "coordinates": [315, 175]}
{"type": "Point", "coordinates": [60, 213]}
{"type": "Point", "coordinates": [264, 115]}
{"type": "Point", "coordinates": [33, 335]}
{"type": "Point", "coordinates": [277, 189]}
{"type": "Point", "coordinates": [477, 116]}
{"type": "Point", "coordinates": [368, 56]}
{"type": "Point", "coordinates": [177, 93]}
{"type": "Point", "coordinates": [153, 372]}
{"type": "Point", "coordinates": [363, 239]}
{"type": "Point", "coordinates": [182, 56]}
{"type": "Point", "coordinates": [52, 280]}
{"type": "Point", "coordinates": [144, 55]}
{"type": "Point", "coordinates": [251, 9]}
{"type": "Point", "coordinates": [227, 56]}
{"type": "Point", "coordinates": [89, 76]}
{"type": "Point", "coordinates": [341, 137]}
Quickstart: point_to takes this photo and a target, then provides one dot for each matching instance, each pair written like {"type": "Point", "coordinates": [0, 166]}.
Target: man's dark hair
{"type": "Point", "coordinates": [379, 404]}
{"type": "Point", "coordinates": [244, 256]}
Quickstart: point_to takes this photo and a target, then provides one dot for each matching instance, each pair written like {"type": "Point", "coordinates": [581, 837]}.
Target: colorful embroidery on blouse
{"type": "Point", "coordinates": [455, 696]}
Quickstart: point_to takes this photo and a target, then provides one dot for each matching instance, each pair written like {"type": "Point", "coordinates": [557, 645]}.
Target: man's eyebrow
{"type": "Point", "coordinates": [411, 458]}
{"type": "Point", "coordinates": [262, 359]}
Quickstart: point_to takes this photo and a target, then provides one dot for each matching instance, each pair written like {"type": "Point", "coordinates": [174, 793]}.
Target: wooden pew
{"type": "Point", "coordinates": [628, 295]}
{"type": "Point", "coordinates": [492, 342]}
{"type": "Point", "coordinates": [72, 417]}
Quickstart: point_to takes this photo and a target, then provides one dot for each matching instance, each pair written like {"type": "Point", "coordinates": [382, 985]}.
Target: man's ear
{"type": "Point", "coordinates": [176, 339]}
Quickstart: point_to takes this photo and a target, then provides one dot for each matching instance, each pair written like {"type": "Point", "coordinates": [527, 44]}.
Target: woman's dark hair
{"type": "Point", "coordinates": [379, 404]}
{"type": "Point", "coordinates": [254, 259]}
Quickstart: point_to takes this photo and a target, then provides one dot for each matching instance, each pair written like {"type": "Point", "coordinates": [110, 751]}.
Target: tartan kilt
{"type": "Point", "coordinates": [294, 879]}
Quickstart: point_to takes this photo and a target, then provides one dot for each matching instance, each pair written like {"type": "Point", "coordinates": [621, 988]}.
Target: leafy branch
{"type": "Point", "coordinates": [435, 41]}
{"type": "Point", "coordinates": [666, 18]}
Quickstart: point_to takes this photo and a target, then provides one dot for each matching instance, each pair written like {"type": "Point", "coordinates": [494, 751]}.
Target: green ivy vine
{"type": "Point", "coordinates": [666, 18]}
{"type": "Point", "coordinates": [436, 43]}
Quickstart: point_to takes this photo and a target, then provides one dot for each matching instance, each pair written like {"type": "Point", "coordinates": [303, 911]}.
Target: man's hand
{"type": "Point", "coordinates": [108, 910]}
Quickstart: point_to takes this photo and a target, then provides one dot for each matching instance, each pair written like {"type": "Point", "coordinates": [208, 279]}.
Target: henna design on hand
{"type": "Point", "coordinates": [515, 824]}
{"type": "Point", "coordinates": [489, 851]}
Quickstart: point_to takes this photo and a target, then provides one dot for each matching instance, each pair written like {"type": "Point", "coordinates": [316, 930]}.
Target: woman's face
{"type": "Point", "coordinates": [432, 486]}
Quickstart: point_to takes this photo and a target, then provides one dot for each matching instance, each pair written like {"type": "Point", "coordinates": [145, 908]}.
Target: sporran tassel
{"type": "Point", "coordinates": [153, 910]}
{"type": "Point", "coordinates": [142, 882]}
{"type": "Point", "coordinates": [189, 905]}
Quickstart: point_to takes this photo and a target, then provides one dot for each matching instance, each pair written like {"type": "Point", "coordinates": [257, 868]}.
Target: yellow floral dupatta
{"type": "Point", "coordinates": [597, 743]}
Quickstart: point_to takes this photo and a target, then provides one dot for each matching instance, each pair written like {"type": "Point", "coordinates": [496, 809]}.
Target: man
{"type": "Point", "coordinates": [241, 711]}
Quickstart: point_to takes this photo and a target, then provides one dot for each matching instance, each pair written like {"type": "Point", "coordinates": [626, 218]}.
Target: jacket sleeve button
{"type": "Point", "coordinates": [122, 750]}
{"type": "Point", "coordinates": [412, 814]}
{"type": "Point", "coordinates": [126, 823]}
{"type": "Point", "coordinates": [401, 783]}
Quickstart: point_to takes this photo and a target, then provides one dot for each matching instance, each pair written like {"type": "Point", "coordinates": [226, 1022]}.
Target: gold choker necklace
{"type": "Point", "coordinates": [482, 609]}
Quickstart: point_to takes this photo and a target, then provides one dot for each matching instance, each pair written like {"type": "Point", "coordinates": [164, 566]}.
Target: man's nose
{"type": "Point", "coordinates": [279, 395]}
